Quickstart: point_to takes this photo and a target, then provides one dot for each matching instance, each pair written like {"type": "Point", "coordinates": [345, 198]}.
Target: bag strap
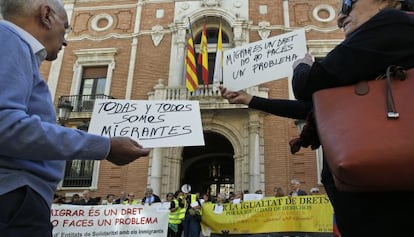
{"type": "Point", "coordinates": [398, 73]}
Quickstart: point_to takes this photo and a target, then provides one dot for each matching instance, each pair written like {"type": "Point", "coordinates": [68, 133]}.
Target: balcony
{"type": "Point", "coordinates": [82, 103]}
{"type": "Point", "coordinates": [208, 96]}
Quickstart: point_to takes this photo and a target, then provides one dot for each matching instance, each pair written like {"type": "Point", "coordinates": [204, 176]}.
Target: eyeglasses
{"type": "Point", "coordinates": [347, 6]}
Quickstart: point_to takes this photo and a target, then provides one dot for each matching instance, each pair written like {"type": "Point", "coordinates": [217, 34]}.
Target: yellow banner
{"type": "Point", "coordinates": [286, 214]}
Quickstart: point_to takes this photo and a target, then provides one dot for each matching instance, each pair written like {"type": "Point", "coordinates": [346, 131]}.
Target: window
{"type": "Point", "coordinates": [93, 81]}
{"type": "Point", "coordinates": [78, 173]}
{"type": "Point", "coordinates": [93, 71]}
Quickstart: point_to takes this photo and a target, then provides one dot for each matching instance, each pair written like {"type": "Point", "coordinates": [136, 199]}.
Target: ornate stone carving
{"type": "Point", "coordinates": [237, 4]}
{"type": "Point", "coordinates": [211, 3]}
{"type": "Point", "coordinates": [157, 34]}
{"type": "Point", "coordinates": [263, 31]}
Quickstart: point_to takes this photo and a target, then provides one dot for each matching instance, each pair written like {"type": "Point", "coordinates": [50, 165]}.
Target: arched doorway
{"type": "Point", "coordinates": [210, 168]}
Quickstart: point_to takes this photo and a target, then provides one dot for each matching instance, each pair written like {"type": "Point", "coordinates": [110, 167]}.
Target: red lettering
{"type": "Point", "coordinates": [66, 212]}
{"type": "Point", "coordinates": [136, 221]}
{"type": "Point", "coordinates": [77, 223]}
{"type": "Point", "coordinates": [131, 211]}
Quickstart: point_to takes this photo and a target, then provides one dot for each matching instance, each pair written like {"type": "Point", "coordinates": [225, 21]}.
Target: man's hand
{"type": "Point", "coordinates": [124, 150]}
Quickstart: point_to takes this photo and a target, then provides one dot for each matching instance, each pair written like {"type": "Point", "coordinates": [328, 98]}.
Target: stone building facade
{"type": "Point", "coordinates": [135, 49]}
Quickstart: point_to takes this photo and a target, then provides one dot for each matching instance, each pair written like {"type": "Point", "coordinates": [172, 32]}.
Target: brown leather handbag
{"type": "Point", "coordinates": [367, 132]}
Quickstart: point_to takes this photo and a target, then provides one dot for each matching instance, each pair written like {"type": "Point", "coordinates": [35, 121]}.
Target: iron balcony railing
{"type": "Point", "coordinates": [82, 103]}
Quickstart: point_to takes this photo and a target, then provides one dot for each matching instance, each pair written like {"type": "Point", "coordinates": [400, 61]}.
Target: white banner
{"type": "Point", "coordinates": [263, 61]}
{"type": "Point", "coordinates": [152, 123]}
{"type": "Point", "coordinates": [108, 220]}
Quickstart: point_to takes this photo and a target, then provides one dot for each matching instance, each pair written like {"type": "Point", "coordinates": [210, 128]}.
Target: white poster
{"type": "Point", "coordinates": [108, 220]}
{"type": "Point", "coordinates": [152, 123]}
{"type": "Point", "coordinates": [263, 61]}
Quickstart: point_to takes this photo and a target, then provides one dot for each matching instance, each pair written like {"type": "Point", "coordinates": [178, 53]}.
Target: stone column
{"type": "Point", "coordinates": [177, 55]}
{"type": "Point", "coordinates": [254, 152]}
{"type": "Point", "coordinates": [156, 170]}
{"type": "Point", "coordinates": [134, 47]}
{"type": "Point", "coordinates": [286, 17]}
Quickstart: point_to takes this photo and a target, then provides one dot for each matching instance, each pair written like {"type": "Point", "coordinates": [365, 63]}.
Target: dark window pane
{"type": "Point", "coordinates": [78, 173]}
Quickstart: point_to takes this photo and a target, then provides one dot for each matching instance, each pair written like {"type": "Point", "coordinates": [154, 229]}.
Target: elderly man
{"type": "Point", "coordinates": [295, 188]}
{"type": "Point", "coordinates": [33, 147]}
{"type": "Point", "coordinates": [150, 197]}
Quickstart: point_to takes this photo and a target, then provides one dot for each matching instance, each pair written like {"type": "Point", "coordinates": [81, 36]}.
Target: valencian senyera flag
{"type": "Point", "coordinates": [191, 80]}
{"type": "Point", "coordinates": [203, 56]}
{"type": "Point", "coordinates": [218, 66]}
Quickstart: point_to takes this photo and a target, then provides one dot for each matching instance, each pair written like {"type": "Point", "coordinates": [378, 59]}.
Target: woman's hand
{"type": "Point", "coordinates": [239, 97]}
{"type": "Point", "coordinates": [308, 59]}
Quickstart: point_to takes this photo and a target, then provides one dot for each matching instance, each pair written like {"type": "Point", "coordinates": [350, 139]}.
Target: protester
{"type": "Point", "coordinates": [122, 197]}
{"type": "Point", "coordinates": [279, 192]}
{"type": "Point", "coordinates": [150, 197]}
{"type": "Point", "coordinates": [33, 147]}
{"type": "Point", "coordinates": [295, 189]}
{"type": "Point", "coordinates": [176, 216]}
{"type": "Point", "coordinates": [110, 199]}
{"type": "Point", "coordinates": [59, 199]}
{"type": "Point", "coordinates": [131, 200]}
{"type": "Point", "coordinates": [191, 223]}
{"type": "Point", "coordinates": [88, 200]}
{"type": "Point", "coordinates": [378, 34]}
{"type": "Point", "coordinates": [75, 199]}
{"type": "Point", "coordinates": [314, 191]}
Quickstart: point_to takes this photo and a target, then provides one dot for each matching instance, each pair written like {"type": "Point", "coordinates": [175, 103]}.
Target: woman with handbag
{"type": "Point", "coordinates": [378, 33]}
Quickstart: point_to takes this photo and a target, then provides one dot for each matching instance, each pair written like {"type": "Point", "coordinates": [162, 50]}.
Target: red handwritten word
{"type": "Point", "coordinates": [78, 223]}
{"type": "Point", "coordinates": [136, 221]}
{"type": "Point", "coordinates": [131, 211]}
{"type": "Point", "coordinates": [66, 212]}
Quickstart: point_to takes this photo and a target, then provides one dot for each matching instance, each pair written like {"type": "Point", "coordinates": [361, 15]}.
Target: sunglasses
{"type": "Point", "coordinates": [347, 6]}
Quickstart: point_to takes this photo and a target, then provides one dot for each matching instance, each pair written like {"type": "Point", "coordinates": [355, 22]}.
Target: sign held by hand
{"type": "Point", "coordinates": [151, 123]}
{"type": "Point", "coordinates": [263, 61]}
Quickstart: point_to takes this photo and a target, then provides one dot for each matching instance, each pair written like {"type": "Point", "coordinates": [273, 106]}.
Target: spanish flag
{"type": "Point", "coordinates": [203, 56]}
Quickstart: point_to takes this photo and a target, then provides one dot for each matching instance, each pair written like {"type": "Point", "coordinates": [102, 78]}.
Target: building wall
{"type": "Point", "coordinates": [151, 33]}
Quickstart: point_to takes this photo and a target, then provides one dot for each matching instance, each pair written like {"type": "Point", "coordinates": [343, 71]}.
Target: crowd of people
{"type": "Point", "coordinates": [149, 197]}
{"type": "Point", "coordinates": [185, 208]}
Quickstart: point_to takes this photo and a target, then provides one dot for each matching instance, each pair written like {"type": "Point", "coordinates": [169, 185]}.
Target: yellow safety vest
{"type": "Point", "coordinates": [178, 215]}
{"type": "Point", "coordinates": [134, 202]}
{"type": "Point", "coordinates": [193, 200]}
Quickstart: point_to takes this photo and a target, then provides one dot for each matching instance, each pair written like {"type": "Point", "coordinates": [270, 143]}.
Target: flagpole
{"type": "Point", "coordinates": [218, 65]}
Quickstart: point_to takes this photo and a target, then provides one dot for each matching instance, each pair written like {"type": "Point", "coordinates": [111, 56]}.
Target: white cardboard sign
{"type": "Point", "coordinates": [263, 61]}
{"type": "Point", "coordinates": [152, 123]}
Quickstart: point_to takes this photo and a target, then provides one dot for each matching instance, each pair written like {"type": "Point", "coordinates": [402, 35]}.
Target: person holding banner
{"type": "Point", "coordinates": [378, 33]}
{"type": "Point", "coordinates": [34, 149]}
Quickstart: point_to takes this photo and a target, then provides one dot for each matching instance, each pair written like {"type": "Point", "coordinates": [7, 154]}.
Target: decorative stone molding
{"type": "Point", "coordinates": [264, 30]}
{"type": "Point", "coordinates": [211, 3]}
{"type": "Point", "coordinates": [324, 7]}
{"type": "Point", "coordinates": [237, 4]}
{"type": "Point", "coordinates": [93, 57]}
{"type": "Point", "coordinates": [101, 17]}
{"type": "Point", "coordinates": [157, 34]}
{"type": "Point", "coordinates": [185, 6]}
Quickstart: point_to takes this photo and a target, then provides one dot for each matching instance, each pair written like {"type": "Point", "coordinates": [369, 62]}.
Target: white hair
{"type": "Point", "coordinates": [23, 8]}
